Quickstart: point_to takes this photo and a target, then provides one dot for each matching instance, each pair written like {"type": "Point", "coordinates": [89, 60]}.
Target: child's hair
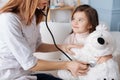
{"type": "Point", "coordinates": [91, 14]}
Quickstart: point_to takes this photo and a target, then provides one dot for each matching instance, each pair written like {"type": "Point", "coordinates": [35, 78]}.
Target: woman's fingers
{"type": "Point", "coordinates": [73, 46]}
{"type": "Point", "coordinates": [83, 71]}
{"type": "Point", "coordinates": [70, 52]}
{"type": "Point", "coordinates": [80, 72]}
{"type": "Point", "coordinates": [78, 68]}
{"type": "Point", "coordinates": [67, 48]}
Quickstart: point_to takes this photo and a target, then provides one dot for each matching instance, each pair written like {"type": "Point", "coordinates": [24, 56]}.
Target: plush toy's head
{"type": "Point", "coordinates": [101, 40]}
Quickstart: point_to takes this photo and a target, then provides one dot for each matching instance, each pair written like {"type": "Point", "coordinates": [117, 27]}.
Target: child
{"type": "Point", "coordinates": [84, 21]}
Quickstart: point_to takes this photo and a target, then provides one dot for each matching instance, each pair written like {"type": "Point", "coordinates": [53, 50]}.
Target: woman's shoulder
{"type": "Point", "coordinates": [8, 16]}
{"type": "Point", "coordinates": [9, 20]}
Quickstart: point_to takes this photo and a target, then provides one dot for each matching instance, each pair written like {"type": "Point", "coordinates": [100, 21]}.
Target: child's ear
{"type": "Point", "coordinates": [90, 27]}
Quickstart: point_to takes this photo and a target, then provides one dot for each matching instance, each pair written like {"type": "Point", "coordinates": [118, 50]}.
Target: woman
{"type": "Point", "coordinates": [20, 38]}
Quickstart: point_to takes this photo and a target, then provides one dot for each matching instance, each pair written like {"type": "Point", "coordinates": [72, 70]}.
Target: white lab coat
{"type": "Point", "coordinates": [17, 45]}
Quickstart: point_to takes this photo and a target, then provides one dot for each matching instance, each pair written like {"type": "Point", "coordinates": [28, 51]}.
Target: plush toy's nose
{"type": "Point", "coordinates": [101, 40]}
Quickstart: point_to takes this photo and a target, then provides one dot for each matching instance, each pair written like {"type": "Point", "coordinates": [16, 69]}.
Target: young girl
{"type": "Point", "coordinates": [84, 21]}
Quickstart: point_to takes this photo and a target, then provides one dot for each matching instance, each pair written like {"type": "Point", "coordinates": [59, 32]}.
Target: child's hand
{"type": "Point", "coordinates": [103, 58]}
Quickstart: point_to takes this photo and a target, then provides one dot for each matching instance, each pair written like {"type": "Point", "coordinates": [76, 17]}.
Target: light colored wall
{"type": "Point", "coordinates": [109, 12]}
{"type": "Point", "coordinates": [84, 1]}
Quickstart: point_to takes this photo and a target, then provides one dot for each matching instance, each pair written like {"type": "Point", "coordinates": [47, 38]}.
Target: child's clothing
{"type": "Point", "coordinates": [75, 39]}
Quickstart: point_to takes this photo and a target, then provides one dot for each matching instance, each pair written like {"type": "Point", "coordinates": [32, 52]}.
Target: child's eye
{"type": "Point", "coordinates": [80, 20]}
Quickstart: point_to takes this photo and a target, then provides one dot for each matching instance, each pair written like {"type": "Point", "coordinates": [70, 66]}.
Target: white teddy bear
{"type": "Point", "coordinates": [98, 43]}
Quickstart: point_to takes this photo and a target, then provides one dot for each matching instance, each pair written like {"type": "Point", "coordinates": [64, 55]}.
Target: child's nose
{"type": "Point", "coordinates": [76, 21]}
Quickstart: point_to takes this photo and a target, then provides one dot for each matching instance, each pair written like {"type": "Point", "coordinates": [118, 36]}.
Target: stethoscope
{"type": "Point", "coordinates": [46, 22]}
{"type": "Point", "coordinates": [91, 64]}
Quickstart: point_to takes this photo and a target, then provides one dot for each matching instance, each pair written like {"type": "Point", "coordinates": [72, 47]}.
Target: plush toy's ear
{"type": "Point", "coordinates": [102, 27]}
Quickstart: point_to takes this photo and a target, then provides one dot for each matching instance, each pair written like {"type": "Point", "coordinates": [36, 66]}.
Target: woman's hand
{"type": "Point", "coordinates": [77, 68]}
{"type": "Point", "coordinates": [66, 48]}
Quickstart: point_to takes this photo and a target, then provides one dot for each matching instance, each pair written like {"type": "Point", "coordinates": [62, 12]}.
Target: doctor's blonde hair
{"type": "Point", "coordinates": [25, 8]}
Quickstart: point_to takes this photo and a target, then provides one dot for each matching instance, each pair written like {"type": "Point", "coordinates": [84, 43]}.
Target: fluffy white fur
{"type": "Point", "coordinates": [98, 43]}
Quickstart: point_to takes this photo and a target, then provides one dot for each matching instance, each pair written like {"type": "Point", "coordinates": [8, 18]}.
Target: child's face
{"type": "Point", "coordinates": [80, 23]}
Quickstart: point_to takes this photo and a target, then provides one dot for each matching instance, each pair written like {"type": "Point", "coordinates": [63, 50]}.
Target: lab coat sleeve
{"type": "Point", "coordinates": [16, 43]}
{"type": "Point", "coordinates": [39, 40]}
